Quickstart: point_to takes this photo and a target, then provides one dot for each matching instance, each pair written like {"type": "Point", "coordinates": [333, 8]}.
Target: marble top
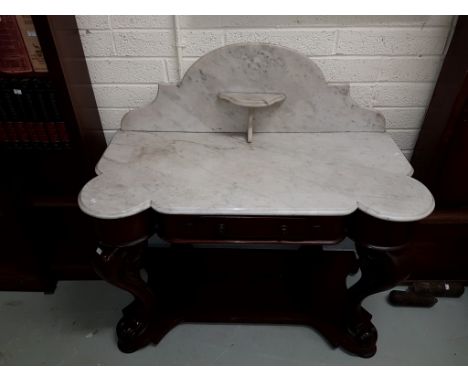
{"type": "Point", "coordinates": [279, 174]}
{"type": "Point", "coordinates": [314, 152]}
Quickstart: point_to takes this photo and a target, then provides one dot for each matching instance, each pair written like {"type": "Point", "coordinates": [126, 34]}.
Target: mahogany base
{"type": "Point", "coordinates": [305, 287]}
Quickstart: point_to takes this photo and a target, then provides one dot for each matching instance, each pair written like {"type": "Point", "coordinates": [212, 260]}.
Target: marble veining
{"type": "Point", "coordinates": [314, 152]}
{"type": "Point", "coordinates": [311, 105]}
{"type": "Point", "coordinates": [254, 100]}
{"type": "Point", "coordinates": [279, 174]}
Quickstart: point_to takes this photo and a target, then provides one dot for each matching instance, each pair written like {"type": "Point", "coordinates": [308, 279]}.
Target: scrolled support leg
{"type": "Point", "coordinates": [120, 266]}
{"type": "Point", "coordinates": [119, 260]}
{"type": "Point", "coordinates": [381, 269]}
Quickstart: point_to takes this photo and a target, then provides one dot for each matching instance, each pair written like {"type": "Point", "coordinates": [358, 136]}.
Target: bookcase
{"type": "Point", "coordinates": [47, 153]}
{"type": "Point", "coordinates": [440, 161]}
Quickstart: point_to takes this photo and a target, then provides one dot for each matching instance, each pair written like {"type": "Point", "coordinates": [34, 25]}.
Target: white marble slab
{"type": "Point", "coordinates": [278, 174]}
{"type": "Point", "coordinates": [311, 105]}
{"type": "Point", "coordinates": [252, 100]}
{"type": "Point", "coordinates": [314, 152]}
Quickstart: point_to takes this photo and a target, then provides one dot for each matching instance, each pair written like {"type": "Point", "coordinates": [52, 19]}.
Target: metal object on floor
{"type": "Point", "coordinates": [424, 293]}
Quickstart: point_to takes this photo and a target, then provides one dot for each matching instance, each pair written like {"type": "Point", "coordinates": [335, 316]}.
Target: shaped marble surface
{"type": "Point", "coordinates": [310, 105]}
{"type": "Point", "coordinates": [279, 174]}
{"type": "Point", "coordinates": [252, 99]}
{"type": "Point", "coordinates": [314, 153]}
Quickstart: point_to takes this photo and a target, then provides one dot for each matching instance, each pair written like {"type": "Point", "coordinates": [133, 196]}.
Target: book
{"type": "Point", "coordinates": [14, 57]}
{"type": "Point", "coordinates": [3, 133]}
{"type": "Point", "coordinates": [9, 111]}
{"type": "Point", "coordinates": [51, 102]}
{"type": "Point", "coordinates": [29, 102]}
{"type": "Point", "coordinates": [17, 99]}
{"type": "Point", "coordinates": [33, 46]}
{"type": "Point", "coordinates": [39, 86]}
{"type": "Point", "coordinates": [30, 116]}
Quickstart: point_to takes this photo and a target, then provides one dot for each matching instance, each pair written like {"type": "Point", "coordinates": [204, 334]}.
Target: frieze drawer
{"type": "Point", "coordinates": [179, 228]}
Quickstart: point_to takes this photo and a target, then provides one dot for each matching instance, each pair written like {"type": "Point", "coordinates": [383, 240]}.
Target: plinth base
{"type": "Point", "coordinates": [294, 287]}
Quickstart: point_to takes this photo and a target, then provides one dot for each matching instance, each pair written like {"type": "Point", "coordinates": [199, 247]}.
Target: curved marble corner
{"type": "Point", "coordinates": [107, 197]}
{"type": "Point", "coordinates": [310, 105]}
{"type": "Point", "coordinates": [299, 174]}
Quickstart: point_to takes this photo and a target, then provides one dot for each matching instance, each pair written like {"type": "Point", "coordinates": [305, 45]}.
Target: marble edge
{"type": "Point", "coordinates": [121, 214]}
{"type": "Point", "coordinates": [125, 126]}
{"type": "Point", "coordinates": [240, 212]}
{"type": "Point", "coordinates": [239, 44]}
{"type": "Point", "coordinates": [371, 212]}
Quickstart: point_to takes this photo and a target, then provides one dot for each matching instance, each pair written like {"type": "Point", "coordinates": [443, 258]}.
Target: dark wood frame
{"type": "Point", "coordinates": [440, 160]}
{"type": "Point", "coordinates": [61, 44]}
{"type": "Point", "coordinates": [433, 144]}
{"type": "Point", "coordinates": [308, 288]}
{"type": "Point", "coordinates": [45, 236]}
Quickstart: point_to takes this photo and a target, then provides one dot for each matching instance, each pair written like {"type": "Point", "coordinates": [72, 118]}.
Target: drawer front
{"type": "Point", "coordinates": [186, 228]}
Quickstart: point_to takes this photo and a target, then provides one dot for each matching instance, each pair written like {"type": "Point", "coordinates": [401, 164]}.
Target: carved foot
{"type": "Point", "coordinates": [121, 267]}
{"type": "Point", "coordinates": [380, 270]}
{"type": "Point", "coordinates": [133, 333]}
{"type": "Point", "coordinates": [362, 337]}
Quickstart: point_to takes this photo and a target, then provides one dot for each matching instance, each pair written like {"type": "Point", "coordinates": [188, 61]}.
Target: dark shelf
{"type": "Point", "coordinates": [25, 75]}
{"type": "Point", "coordinates": [44, 235]}
{"type": "Point", "coordinates": [440, 161]}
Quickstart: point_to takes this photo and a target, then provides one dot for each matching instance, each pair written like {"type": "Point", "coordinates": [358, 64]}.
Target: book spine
{"type": "Point", "coordinates": [14, 57]}
{"type": "Point", "coordinates": [4, 109]}
{"type": "Point", "coordinates": [41, 98]}
{"type": "Point", "coordinates": [52, 134]}
{"type": "Point", "coordinates": [12, 135]}
{"type": "Point", "coordinates": [7, 101]}
{"type": "Point", "coordinates": [28, 100]}
{"type": "Point", "coordinates": [16, 92]}
{"type": "Point", "coordinates": [41, 132]}
{"type": "Point", "coordinates": [3, 134]}
{"type": "Point", "coordinates": [33, 47]}
{"type": "Point", "coordinates": [32, 135]}
{"type": "Point", "coordinates": [63, 134]}
{"type": "Point", "coordinates": [22, 133]}
{"type": "Point", "coordinates": [51, 102]}
{"type": "Point", "coordinates": [30, 115]}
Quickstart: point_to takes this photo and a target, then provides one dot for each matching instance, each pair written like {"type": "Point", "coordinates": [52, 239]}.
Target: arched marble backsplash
{"type": "Point", "coordinates": [311, 105]}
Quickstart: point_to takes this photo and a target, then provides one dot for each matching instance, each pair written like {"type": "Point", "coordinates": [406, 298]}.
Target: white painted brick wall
{"type": "Point", "coordinates": [391, 41]}
{"type": "Point", "coordinates": [124, 96]}
{"type": "Point", "coordinates": [391, 62]}
{"type": "Point", "coordinates": [310, 42]}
